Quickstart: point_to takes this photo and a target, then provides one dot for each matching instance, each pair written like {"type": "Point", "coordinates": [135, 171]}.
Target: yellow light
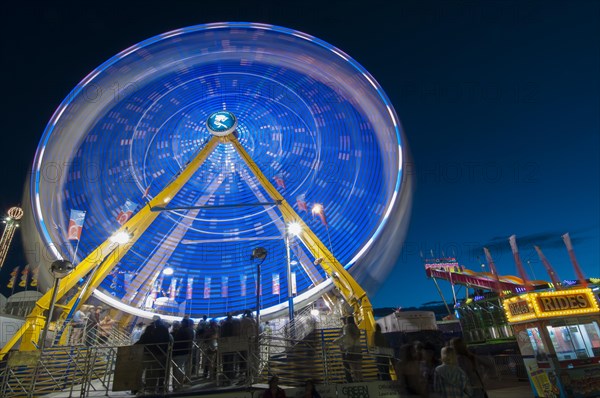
{"type": "Point", "coordinates": [317, 208]}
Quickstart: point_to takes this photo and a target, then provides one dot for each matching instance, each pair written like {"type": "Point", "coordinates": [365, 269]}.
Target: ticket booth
{"type": "Point", "coordinates": [558, 334]}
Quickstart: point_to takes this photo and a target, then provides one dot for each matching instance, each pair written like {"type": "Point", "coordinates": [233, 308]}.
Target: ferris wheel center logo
{"type": "Point", "coordinates": [221, 123]}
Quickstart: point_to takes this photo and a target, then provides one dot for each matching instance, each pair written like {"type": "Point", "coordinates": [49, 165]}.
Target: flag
{"type": "Point", "coordinates": [173, 289]}
{"type": "Point", "coordinates": [207, 287]}
{"type": "Point", "coordinates": [147, 190]}
{"type": "Point", "coordinates": [24, 276]}
{"type": "Point", "coordinates": [189, 291]}
{"type": "Point", "coordinates": [293, 283]}
{"type": "Point", "coordinates": [34, 276]}
{"type": "Point", "coordinates": [515, 250]}
{"type": "Point", "coordinates": [567, 240]}
{"type": "Point", "coordinates": [126, 211]}
{"type": "Point", "coordinates": [127, 280]}
{"type": "Point", "coordinates": [224, 286]}
{"type": "Point", "coordinates": [113, 279]}
{"type": "Point", "coordinates": [159, 285]}
{"type": "Point", "coordinates": [301, 202]}
{"type": "Point", "coordinates": [279, 181]}
{"type": "Point", "coordinates": [75, 224]}
{"type": "Point", "coordinates": [179, 285]}
{"type": "Point", "coordinates": [13, 278]}
{"type": "Point", "coordinates": [154, 292]}
{"type": "Point", "coordinates": [275, 283]}
{"type": "Point", "coordinates": [243, 279]}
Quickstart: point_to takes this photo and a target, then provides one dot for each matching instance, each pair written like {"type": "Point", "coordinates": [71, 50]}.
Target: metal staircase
{"type": "Point", "coordinates": [314, 357]}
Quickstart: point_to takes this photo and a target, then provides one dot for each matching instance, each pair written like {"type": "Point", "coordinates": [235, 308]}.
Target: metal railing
{"type": "Point", "coordinates": [110, 365]}
{"type": "Point", "coordinates": [86, 335]}
{"type": "Point", "coordinates": [69, 369]}
{"type": "Point", "coordinates": [90, 371]}
{"type": "Point", "coordinates": [301, 326]}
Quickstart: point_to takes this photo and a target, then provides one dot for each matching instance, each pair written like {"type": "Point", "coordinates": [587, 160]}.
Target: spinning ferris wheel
{"type": "Point", "coordinates": [204, 143]}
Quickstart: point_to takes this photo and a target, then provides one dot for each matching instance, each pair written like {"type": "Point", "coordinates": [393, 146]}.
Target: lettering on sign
{"type": "Point", "coordinates": [562, 303]}
{"type": "Point", "coordinates": [360, 391]}
{"type": "Point", "coordinates": [519, 308]}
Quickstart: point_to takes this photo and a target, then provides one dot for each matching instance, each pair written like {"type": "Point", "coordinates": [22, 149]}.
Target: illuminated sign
{"type": "Point", "coordinates": [520, 307]}
{"type": "Point", "coordinates": [562, 303]}
{"type": "Point", "coordinates": [442, 263]}
{"type": "Point", "coordinates": [550, 304]}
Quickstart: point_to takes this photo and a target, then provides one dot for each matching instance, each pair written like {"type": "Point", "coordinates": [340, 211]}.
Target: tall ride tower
{"type": "Point", "coordinates": [12, 223]}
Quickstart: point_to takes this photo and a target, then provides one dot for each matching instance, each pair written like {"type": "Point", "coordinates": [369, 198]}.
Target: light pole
{"type": "Point", "coordinates": [293, 229]}
{"type": "Point", "coordinates": [259, 253]}
{"type": "Point", "coordinates": [59, 269]}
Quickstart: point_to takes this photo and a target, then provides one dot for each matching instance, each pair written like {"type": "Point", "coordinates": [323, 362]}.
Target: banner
{"type": "Point", "coordinates": [189, 291]}
{"type": "Point", "coordinates": [276, 284]}
{"type": "Point", "coordinates": [127, 280]}
{"type": "Point", "coordinates": [154, 292]}
{"type": "Point", "coordinates": [159, 290]}
{"type": "Point", "coordinates": [24, 276]}
{"type": "Point", "coordinates": [224, 286]}
{"type": "Point", "coordinates": [243, 279]}
{"type": "Point", "coordinates": [279, 181]}
{"type": "Point", "coordinates": [34, 276]}
{"type": "Point", "coordinates": [147, 190]}
{"type": "Point", "coordinates": [301, 202]}
{"type": "Point", "coordinates": [207, 287]}
{"type": "Point", "coordinates": [126, 212]}
{"type": "Point", "coordinates": [13, 278]}
{"type": "Point", "coordinates": [75, 224]}
{"type": "Point", "coordinates": [293, 283]}
{"type": "Point", "coordinates": [173, 289]}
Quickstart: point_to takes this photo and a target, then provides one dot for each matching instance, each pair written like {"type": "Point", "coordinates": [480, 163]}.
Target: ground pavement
{"type": "Point", "coordinates": [512, 390]}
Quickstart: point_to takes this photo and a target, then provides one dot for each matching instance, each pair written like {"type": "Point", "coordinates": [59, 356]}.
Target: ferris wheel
{"type": "Point", "coordinates": [220, 135]}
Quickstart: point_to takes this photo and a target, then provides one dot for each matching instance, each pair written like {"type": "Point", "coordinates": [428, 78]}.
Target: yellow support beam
{"type": "Point", "coordinates": [106, 256]}
{"type": "Point", "coordinates": [352, 292]}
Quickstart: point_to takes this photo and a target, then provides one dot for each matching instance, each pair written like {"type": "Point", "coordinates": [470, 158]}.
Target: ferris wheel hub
{"type": "Point", "coordinates": [221, 123]}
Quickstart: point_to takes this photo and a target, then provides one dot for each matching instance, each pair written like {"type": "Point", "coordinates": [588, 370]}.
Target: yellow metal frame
{"type": "Point", "coordinates": [352, 292]}
{"type": "Point", "coordinates": [108, 254]}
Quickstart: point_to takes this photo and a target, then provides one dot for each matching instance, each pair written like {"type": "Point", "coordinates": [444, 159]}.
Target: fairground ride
{"type": "Point", "coordinates": [172, 162]}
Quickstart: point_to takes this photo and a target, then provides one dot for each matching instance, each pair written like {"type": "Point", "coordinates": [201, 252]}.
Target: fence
{"type": "Point", "coordinates": [112, 365]}
{"type": "Point", "coordinates": [90, 371]}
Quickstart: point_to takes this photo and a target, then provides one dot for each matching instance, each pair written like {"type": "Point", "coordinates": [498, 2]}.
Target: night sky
{"type": "Point", "coordinates": [500, 102]}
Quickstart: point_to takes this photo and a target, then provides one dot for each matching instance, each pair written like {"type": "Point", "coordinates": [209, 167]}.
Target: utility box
{"type": "Point", "coordinates": [129, 367]}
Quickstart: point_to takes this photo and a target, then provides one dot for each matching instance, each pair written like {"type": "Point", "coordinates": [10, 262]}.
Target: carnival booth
{"type": "Point", "coordinates": [558, 334]}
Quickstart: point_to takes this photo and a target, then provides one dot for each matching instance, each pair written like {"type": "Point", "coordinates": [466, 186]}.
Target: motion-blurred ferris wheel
{"type": "Point", "coordinates": [314, 123]}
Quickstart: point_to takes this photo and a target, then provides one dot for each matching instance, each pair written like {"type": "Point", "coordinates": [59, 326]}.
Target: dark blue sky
{"type": "Point", "coordinates": [500, 102]}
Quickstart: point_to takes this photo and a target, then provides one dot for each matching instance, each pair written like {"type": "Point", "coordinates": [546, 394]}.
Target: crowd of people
{"type": "Point", "coordinates": [225, 338]}
{"type": "Point", "coordinates": [454, 373]}
{"type": "Point", "coordinates": [420, 368]}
